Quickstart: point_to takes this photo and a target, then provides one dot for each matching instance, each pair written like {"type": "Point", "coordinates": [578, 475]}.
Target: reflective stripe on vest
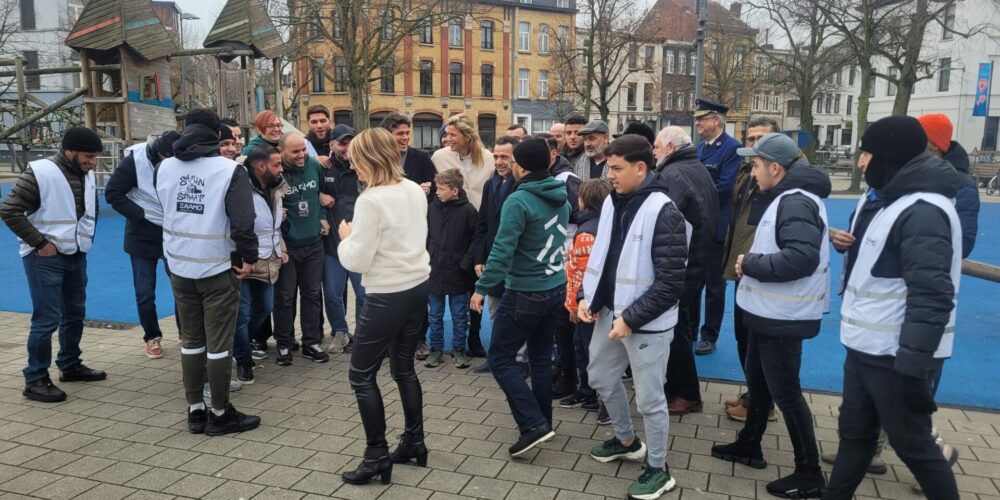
{"type": "Point", "coordinates": [874, 308]}
{"type": "Point", "coordinates": [267, 225]}
{"type": "Point", "coordinates": [802, 299]}
{"type": "Point", "coordinates": [144, 193]}
{"type": "Point", "coordinates": [56, 215]}
{"type": "Point", "coordinates": [196, 238]}
{"type": "Point", "coordinates": [635, 273]}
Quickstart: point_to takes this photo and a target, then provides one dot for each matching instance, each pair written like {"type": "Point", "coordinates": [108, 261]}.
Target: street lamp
{"type": "Point", "coordinates": [185, 95]}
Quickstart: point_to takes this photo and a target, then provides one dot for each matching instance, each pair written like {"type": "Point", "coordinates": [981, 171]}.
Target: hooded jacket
{"type": "Point", "coordinates": [572, 155]}
{"type": "Point", "coordinates": [321, 145]}
{"type": "Point", "coordinates": [341, 182]}
{"type": "Point", "coordinates": [489, 221]}
{"type": "Point", "coordinates": [800, 233]}
{"type": "Point", "coordinates": [142, 238]}
{"type": "Point", "coordinates": [572, 187]}
{"type": "Point", "coordinates": [529, 241]}
{"type": "Point", "coordinates": [967, 198]}
{"type": "Point", "coordinates": [302, 226]}
{"type": "Point", "coordinates": [451, 226]}
{"type": "Point", "coordinates": [257, 141]}
{"type": "Point", "coordinates": [690, 187]}
{"type": "Point", "coordinates": [919, 251]}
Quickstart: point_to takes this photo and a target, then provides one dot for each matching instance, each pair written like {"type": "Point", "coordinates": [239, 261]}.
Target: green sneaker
{"type": "Point", "coordinates": [652, 484]}
{"type": "Point", "coordinates": [613, 449]}
{"type": "Point", "coordinates": [461, 358]}
{"type": "Point", "coordinates": [434, 358]}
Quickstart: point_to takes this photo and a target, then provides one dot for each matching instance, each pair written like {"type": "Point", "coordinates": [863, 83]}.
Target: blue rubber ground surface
{"type": "Point", "coordinates": [970, 377]}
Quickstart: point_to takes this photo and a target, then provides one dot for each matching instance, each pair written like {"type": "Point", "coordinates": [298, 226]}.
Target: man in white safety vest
{"type": "Point", "coordinates": [210, 244]}
{"type": "Point", "coordinates": [902, 268]}
{"type": "Point", "coordinates": [784, 291]}
{"type": "Point", "coordinates": [130, 192]}
{"type": "Point", "coordinates": [632, 288]}
{"type": "Point", "coordinates": [53, 211]}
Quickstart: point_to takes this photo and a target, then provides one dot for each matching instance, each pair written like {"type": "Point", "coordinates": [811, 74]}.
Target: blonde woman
{"type": "Point", "coordinates": [387, 244]}
{"type": "Point", "coordinates": [466, 153]}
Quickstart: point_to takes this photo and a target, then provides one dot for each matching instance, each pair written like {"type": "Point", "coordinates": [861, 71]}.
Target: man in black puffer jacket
{"type": "Point", "coordinates": [939, 144]}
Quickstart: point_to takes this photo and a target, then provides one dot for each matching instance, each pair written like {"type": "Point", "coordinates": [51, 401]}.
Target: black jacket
{"type": "Point", "coordinates": [418, 167]}
{"type": "Point", "coordinates": [489, 222]}
{"type": "Point", "coordinates": [341, 182]}
{"type": "Point", "coordinates": [142, 238]}
{"type": "Point", "coordinates": [918, 250]}
{"type": "Point", "coordinates": [451, 227]}
{"type": "Point", "coordinates": [572, 187]}
{"type": "Point", "coordinates": [967, 198]}
{"type": "Point", "coordinates": [669, 254]}
{"type": "Point", "coordinates": [687, 182]}
{"type": "Point", "coordinates": [572, 155]}
{"type": "Point", "coordinates": [800, 234]}
{"type": "Point", "coordinates": [320, 144]}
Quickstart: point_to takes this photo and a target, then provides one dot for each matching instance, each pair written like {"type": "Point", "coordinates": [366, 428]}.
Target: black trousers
{"type": "Point", "coordinates": [715, 293]}
{"type": "Point", "coordinates": [682, 372]}
{"type": "Point", "coordinates": [302, 275]}
{"type": "Point", "coordinates": [874, 398]}
{"type": "Point", "coordinates": [740, 331]}
{"type": "Point", "coordinates": [772, 371]}
{"type": "Point", "coordinates": [389, 322]}
{"type": "Point", "coordinates": [564, 339]}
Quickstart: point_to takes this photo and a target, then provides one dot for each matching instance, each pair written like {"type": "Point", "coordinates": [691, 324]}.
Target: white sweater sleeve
{"type": "Point", "coordinates": [357, 252]}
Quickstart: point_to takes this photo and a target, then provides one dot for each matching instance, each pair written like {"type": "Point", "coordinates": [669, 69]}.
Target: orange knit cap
{"type": "Point", "coordinates": [938, 128]}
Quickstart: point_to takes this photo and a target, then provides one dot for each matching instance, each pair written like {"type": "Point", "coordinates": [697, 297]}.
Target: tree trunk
{"type": "Point", "coordinates": [862, 124]}
{"type": "Point", "coordinates": [359, 105]}
{"type": "Point", "coordinates": [911, 54]}
{"type": "Point", "coordinates": [806, 124]}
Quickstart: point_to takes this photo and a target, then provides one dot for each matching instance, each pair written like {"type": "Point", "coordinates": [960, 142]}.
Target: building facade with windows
{"type": "Point", "coordinates": [640, 97]}
{"type": "Point", "coordinates": [540, 28]}
{"type": "Point", "coordinates": [39, 29]}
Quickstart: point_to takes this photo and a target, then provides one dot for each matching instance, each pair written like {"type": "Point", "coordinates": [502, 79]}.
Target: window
{"type": "Point", "coordinates": [649, 62]}
{"type": "Point", "coordinates": [562, 4]}
{"type": "Point", "coordinates": [455, 33]}
{"type": "Point", "coordinates": [682, 64]}
{"type": "Point", "coordinates": [524, 36]}
{"type": "Point", "coordinates": [487, 82]}
{"type": "Point", "coordinates": [840, 76]}
{"type": "Point", "coordinates": [455, 79]}
{"type": "Point", "coordinates": [836, 104]}
{"type": "Point", "coordinates": [668, 60]}
{"type": "Point", "coordinates": [633, 58]}
{"type": "Point", "coordinates": [850, 75]}
{"type": "Point", "coordinates": [487, 129]}
{"type": "Point", "coordinates": [316, 29]}
{"type": "Point", "coordinates": [716, 52]}
{"type": "Point", "coordinates": [523, 75]}
{"type": "Point", "coordinates": [543, 84]}
{"type": "Point", "coordinates": [891, 87]}
{"type": "Point", "coordinates": [692, 60]}
{"type": "Point", "coordinates": [426, 77]}
{"type": "Point", "coordinates": [829, 103]}
{"type": "Point", "coordinates": [562, 34]}
{"type": "Point", "coordinates": [756, 103]}
{"type": "Point", "coordinates": [340, 75]}
{"type": "Point", "coordinates": [630, 96]}
{"type": "Point", "coordinates": [850, 104]}
{"type": "Point", "coordinates": [871, 87]}
{"type": "Point", "coordinates": [487, 34]}
{"type": "Point", "coordinates": [427, 33]}
{"type": "Point", "coordinates": [794, 109]}
{"type": "Point", "coordinates": [343, 118]}
{"type": "Point", "coordinates": [944, 74]}
{"type": "Point", "coordinates": [668, 99]}
{"type": "Point", "coordinates": [387, 25]}
{"type": "Point", "coordinates": [318, 79]}
{"type": "Point", "coordinates": [425, 130]}
{"type": "Point", "coordinates": [336, 25]}
{"type": "Point", "coordinates": [738, 58]}
{"type": "Point", "coordinates": [388, 78]}
{"type": "Point", "coordinates": [647, 97]}
{"type": "Point", "coordinates": [543, 38]}
{"type": "Point", "coordinates": [949, 23]}
{"type": "Point", "coordinates": [31, 82]}
{"type": "Point", "coordinates": [27, 14]}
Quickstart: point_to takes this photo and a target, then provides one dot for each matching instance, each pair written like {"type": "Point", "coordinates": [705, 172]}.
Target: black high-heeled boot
{"type": "Point", "coordinates": [375, 463]}
{"type": "Point", "coordinates": [410, 447]}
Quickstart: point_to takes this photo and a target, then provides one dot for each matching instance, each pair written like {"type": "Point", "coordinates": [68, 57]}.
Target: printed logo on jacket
{"type": "Point", "coordinates": [190, 198]}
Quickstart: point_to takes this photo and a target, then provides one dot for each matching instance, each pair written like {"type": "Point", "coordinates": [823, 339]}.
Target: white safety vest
{"type": "Point", "coordinates": [56, 215]}
{"type": "Point", "coordinates": [874, 308]}
{"type": "Point", "coordinates": [267, 225]}
{"type": "Point", "coordinates": [802, 299]}
{"type": "Point", "coordinates": [635, 273]}
{"type": "Point", "coordinates": [144, 193]}
{"type": "Point", "coordinates": [570, 228]}
{"type": "Point", "coordinates": [196, 240]}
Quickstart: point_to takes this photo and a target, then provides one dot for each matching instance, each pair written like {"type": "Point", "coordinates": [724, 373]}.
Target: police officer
{"type": "Point", "coordinates": [53, 211]}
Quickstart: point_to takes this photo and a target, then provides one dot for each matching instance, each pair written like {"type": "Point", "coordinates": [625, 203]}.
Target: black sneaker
{"type": "Point", "coordinates": [258, 350]}
{"type": "Point", "coordinates": [590, 404]}
{"type": "Point", "coordinates": [44, 391]}
{"type": "Point", "coordinates": [197, 420]}
{"type": "Point", "coordinates": [80, 373]}
{"type": "Point", "coordinates": [573, 400]}
{"type": "Point", "coordinates": [564, 386]}
{"type": "Point", "coordinates": [244, 373]}
{"type": "Point", "coordinates": [296, 345]}
{"type": "Point", "coordinates": [742, 452]}
{"type": "Point", "coordinates": [229, 422]}
{"type": "Point", "coordinates": [705, 347]}
{"type": "Point", "coordinates": [316, 353]}
{"type": "Point", "coordinates": [603, 417]}
{"type": "Point", "coordinates": [284, 357]}
{"type": "Point", "coordinates": [531, 438]}
{"type": "Point", "coordinates": [627, 376]}
{"type": "Point", "coordinates": [803, 483]}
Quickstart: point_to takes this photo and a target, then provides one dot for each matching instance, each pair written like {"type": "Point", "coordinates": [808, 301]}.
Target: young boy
{"type": "Point", "coordinates": [451, 227]}
{"type": "Point", "coordinates": [591, 198]}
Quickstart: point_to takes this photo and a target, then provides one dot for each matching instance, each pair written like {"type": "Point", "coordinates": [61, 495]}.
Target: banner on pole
{"type": "Point", "coordinates": [981, 105]}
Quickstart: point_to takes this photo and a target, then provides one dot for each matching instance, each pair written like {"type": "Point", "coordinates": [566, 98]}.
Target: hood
{"type": "Point", "coordinates": [958, 157]}
{"type": "Point", "coordinates": [197, 141]}
{"type": "Point", "coordinates": [457, 202]}
{"type": "Point", "coordinates": [587, 215]}
{"type": "Point", "coordinates": [923, 174]}
{"type": "Point", "coordinates": [806, 177]}
{"type": "Point", "coordinates": [548, 189]}
{"type": "Point", "coordinates": [685, 153]}
{"type": "Point", "coordinates": [562, 165]}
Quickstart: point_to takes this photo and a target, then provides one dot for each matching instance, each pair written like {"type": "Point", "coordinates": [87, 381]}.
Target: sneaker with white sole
{"type": "Point", "coordinates": [338, 341]}
{"type": "Point", "coordinates": [153, 348]}
{"type": "Point", "coordinates": [531, 438]}
{"type": "Point", "coordinates": [652, 483]}
{"type": "Point", "coordinates": [613, 449]}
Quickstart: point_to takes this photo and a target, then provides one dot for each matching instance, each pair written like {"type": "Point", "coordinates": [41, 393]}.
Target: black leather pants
{"type": "Point", "coordinates": [389, 322]}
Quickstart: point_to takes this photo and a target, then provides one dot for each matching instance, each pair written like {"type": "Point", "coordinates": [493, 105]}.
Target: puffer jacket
{"type": "Point", "coordinates": [267, 269]}
{"type": "Point", "coordinates": [450, 230]}
{"type": "Point", "coordinates": [689, 185]}
{"type": "Point", "coordinates": [967, 198]}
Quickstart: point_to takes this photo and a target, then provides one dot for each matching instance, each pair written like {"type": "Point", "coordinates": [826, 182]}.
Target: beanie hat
{"type": "Point", "coordinates": [938, 128]}
{"type": "Point", "coordinates": [533, 154]}
{"type": "Point", "coordinates": [892, 141]}
{"type": "Point", "coordinates": [641, 129]}
{"type": "Point", "coordinates": [226, 134]}
{"type": "Point", "coordinates": [82, 139]}
{"type": "Point", "coordinates": [164, 144]}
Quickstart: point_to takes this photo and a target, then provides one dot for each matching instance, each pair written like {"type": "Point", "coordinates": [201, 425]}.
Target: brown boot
{"type": "Point", "coordinates": [680, 406]}
{"type": "Point", "coordinates": [739, 414]}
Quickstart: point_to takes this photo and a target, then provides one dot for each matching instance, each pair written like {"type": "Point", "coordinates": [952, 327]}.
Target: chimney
{"type": "Point", "coordinates": [736, 9]}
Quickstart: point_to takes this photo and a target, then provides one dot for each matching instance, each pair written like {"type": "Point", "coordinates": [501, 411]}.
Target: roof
{"type": "Point", "coordinates": [677, 21]}
{"type": "Point", "coordinates": [246, 23]}
{"type": "Point", "coordinates": [109, 24]}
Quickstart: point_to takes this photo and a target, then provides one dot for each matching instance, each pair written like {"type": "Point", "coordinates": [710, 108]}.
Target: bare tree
{"type": "Point", "coordinates": [728, 74]}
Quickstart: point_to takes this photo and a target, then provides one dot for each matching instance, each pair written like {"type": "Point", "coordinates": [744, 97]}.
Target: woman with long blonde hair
{"type": "Point", "coordinates": [466, 153]}
{"type": "Point", "coordinates": [387, 244]}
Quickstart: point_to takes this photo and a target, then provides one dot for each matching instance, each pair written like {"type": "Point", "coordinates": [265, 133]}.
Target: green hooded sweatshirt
{"type": "Point", "coordinates": [528, 251]}
{"type": "Point", "coordinates": [302, 227]}
{"type": "Point", "coordinates": [256, 141]}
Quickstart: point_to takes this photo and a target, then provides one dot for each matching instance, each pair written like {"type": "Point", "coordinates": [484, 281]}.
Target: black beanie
{"type": "Point", "coordinates": [641, 129]}
{"type": "Point", "coordinates": [82, 139]}
{"type": "Point", "coordinates": [226, 134]}
{"type": "Point", "coordinates": [533, 154]}
{"type": "Point", "coordinates": [892, 141]}
{"type": "Point", "coordinates": [164, 144]}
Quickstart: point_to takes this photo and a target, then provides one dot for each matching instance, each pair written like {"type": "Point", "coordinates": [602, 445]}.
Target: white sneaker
{"type": "Point", "coordinates": [337, 343]}
{"type": "Point", "coordinates": [235, 385]}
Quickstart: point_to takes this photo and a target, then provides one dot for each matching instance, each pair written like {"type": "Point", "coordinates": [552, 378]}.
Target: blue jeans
{"type": "Point", "coordinates": [144, 282]}
{"type": "Point", "coordinates": [256, 304]}
{"type": "Point", "coordinates": [58, 287]}
{"type": "Point", "coordinates": [459, 305]}
{"type": "Point", "coordinates": [334, 285]}
{"type": "Point", "coordinates": [526, 317]}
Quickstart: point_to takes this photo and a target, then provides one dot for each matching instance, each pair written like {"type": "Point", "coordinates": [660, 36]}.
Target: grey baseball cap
{"type": "Point", "coordinates": [594, 127]}
{"type": "Point", "coordinates": [775, 147]}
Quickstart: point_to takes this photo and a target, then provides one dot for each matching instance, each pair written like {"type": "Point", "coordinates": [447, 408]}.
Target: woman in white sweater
{"type": "Point", "coordinates": [387, 244]}
{"type": "Point", "coordinates": [466, 153]}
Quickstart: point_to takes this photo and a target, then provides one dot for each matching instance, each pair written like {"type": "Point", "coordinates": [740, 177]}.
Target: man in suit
{"type": "Point", "coordinates": [417, 165]}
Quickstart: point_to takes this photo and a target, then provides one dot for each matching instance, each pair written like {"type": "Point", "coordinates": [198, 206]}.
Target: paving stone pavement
{"type": "Point", "coordinates": [126, 437]}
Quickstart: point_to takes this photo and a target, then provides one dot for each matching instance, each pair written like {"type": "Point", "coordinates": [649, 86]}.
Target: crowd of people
{"type": "Point", "coordinates": [596, 257]}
